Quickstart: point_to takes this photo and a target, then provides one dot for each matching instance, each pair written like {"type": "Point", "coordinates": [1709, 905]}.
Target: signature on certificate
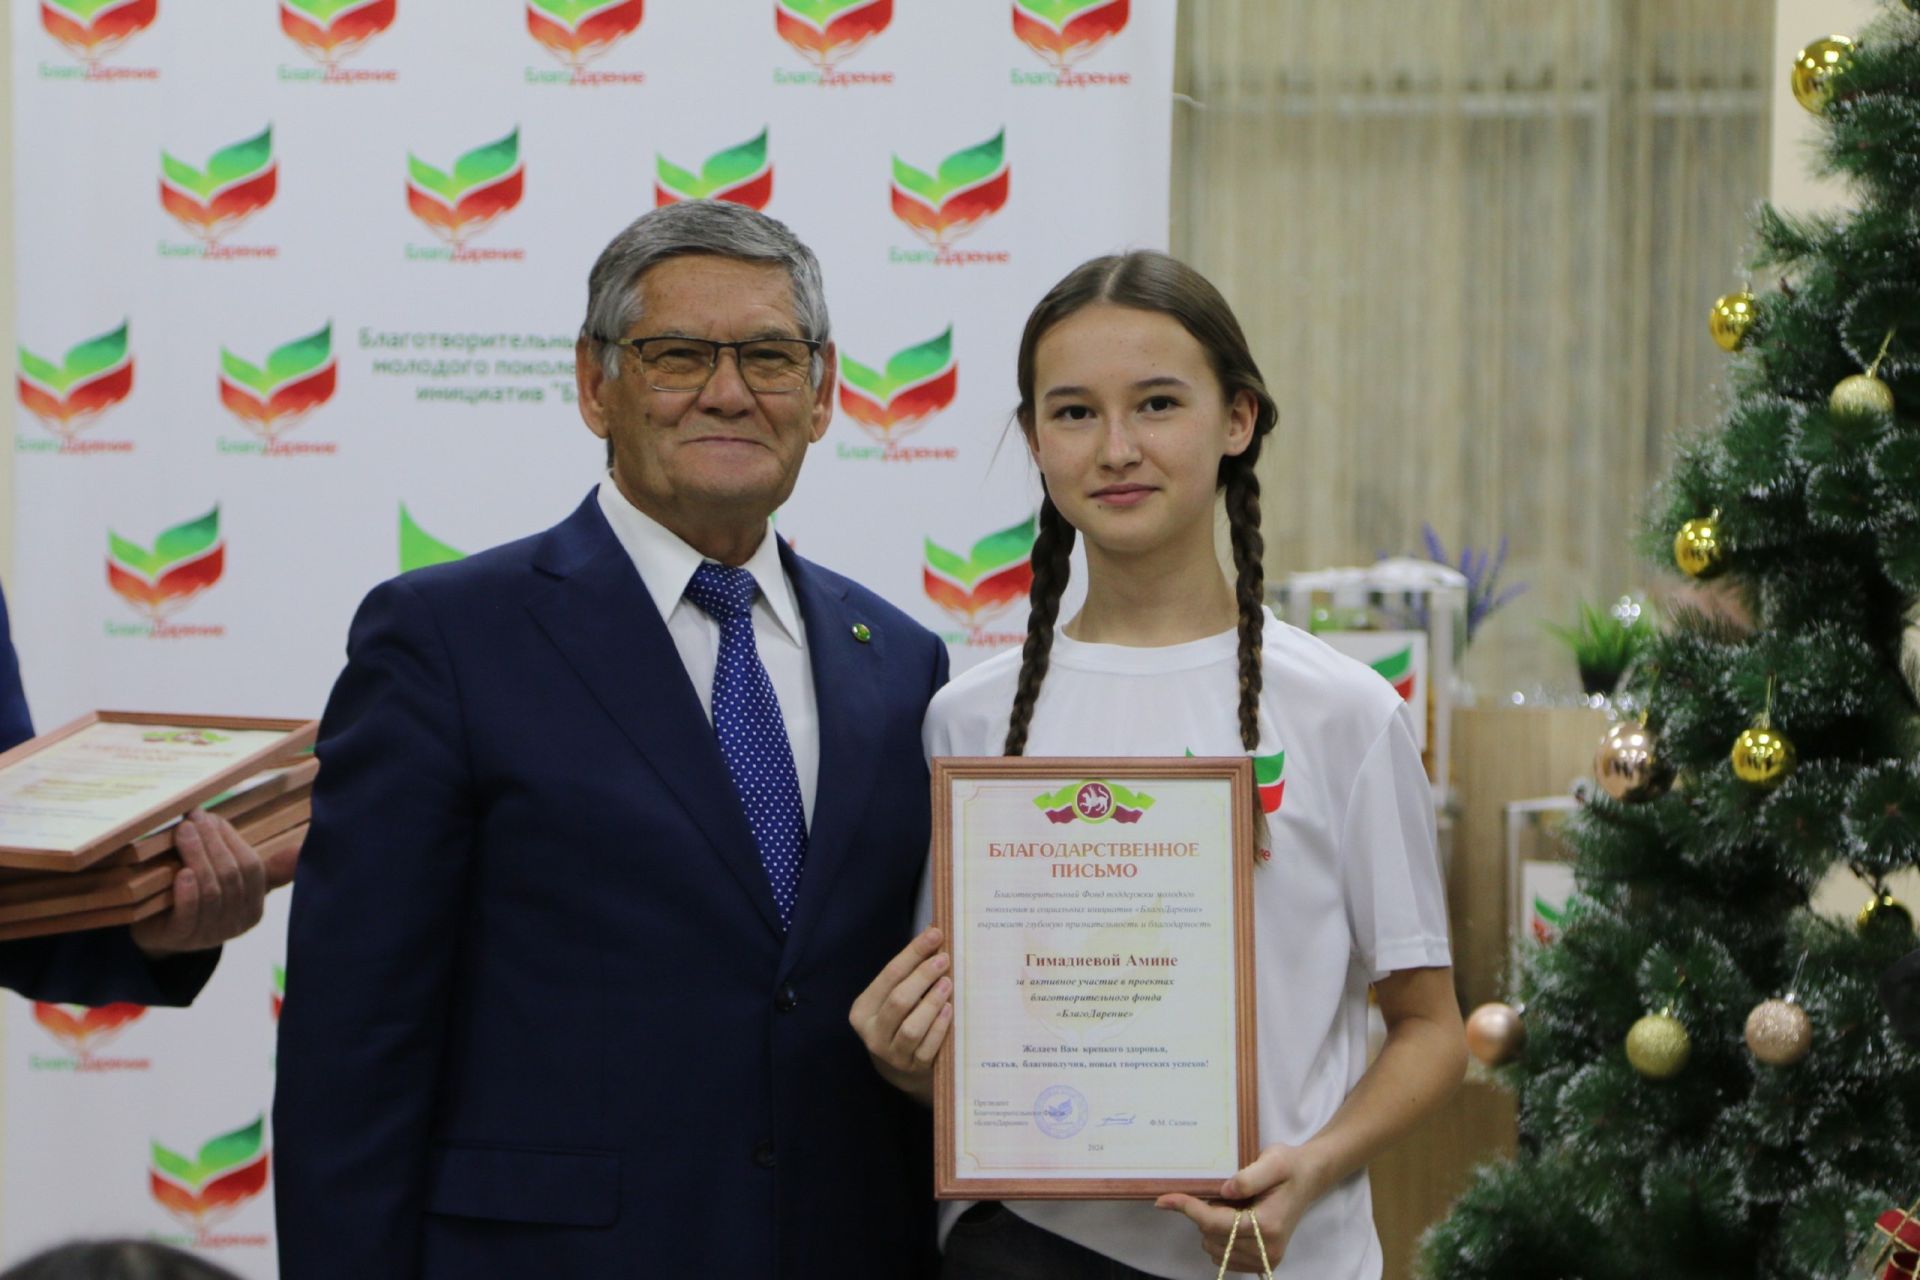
{"type": "Point", "coordinates": [1122, 1118]}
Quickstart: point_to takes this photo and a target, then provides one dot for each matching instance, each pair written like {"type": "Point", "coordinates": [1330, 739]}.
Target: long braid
{"type": "Point", "coordinates": [1243, 524]}
{"type": "Point", "coordinates": [1051, 568]}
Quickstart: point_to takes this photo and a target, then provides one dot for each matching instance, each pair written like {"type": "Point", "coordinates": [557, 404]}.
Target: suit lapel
{"type": "Point", "coordinates": [600, 617]}
{"type": "Point", "coordinates": [847, 677]}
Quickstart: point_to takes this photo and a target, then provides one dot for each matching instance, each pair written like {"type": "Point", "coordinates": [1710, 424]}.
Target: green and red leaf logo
{"type": "Point", "coordinates": [91, 378]}
{"type": "Point", "coordinates": [187, 737]}
{"type": "Point", "coordinates": [1547, 921]}
{"type": "Point", "coordinates": [418, 548]}
{"type": "Point", "coordinates": [279, 989]}
{"type": "Point", "coordinates": [185, 560]}
{"type": "Point", "coordinates": [227, 1172]}
{"type": "Point", "coordinates": [238, 182]}
{"type": "Point", "coordinates": [483, 184]}
{"type": "Point", "coordinates": [578, 31]}
{"type": "Point", "coordinates": [997, 572]}
{"type": "Point", "coordinates": [1267, 779]}
{"type": "Point", "coordinates": [1267, 771]}
{"type": "Point", "coordinates": [1398, 670]}
{"type": "Point", "coordinates": [741, 174]}
{"type": "Point", "coordinates": [828, 32]}
{"type": "Point", "coordinates": [329, 30]}
{"type": "Point", "coordinates": [1065, 31]}
{"type": "Point", "coordinates": [296, 379]}
{"type": "Point", "coordinates": [91, 29]}
{"type": "Point", "coordinates": [82, 1030]}
{"type": "Point", "coordinates": [970, 185]}
{"type": "Point", "coordinates": [918, 382]}
{"type": "Point", "coordinates": [1093, 802]}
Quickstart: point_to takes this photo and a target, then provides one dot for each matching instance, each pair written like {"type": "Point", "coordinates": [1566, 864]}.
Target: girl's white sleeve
{"type": "Point", "coordinates": [1396, 903]}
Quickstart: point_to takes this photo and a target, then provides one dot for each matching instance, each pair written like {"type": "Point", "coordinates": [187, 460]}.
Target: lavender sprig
{"type": "Point", "coordinates": [1481, 569]}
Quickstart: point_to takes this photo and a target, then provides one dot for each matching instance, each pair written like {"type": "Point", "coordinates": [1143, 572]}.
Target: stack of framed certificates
{"type": "Point", "coordinates": [88, 812]}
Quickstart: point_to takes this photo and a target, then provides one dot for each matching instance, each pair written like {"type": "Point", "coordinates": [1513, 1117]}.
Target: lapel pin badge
{"type": "Point", "coordinates": [861, 632]}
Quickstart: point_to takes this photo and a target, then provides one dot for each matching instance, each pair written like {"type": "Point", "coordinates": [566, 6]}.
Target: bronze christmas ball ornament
{"type": "Point", "coordinates": [1884, 911]}
{"type": "Point", "coordinates": [1733, 315]}
{"type": "Point", "coordinates": [1763, 757]}
{"type": "Point", "coordinates": [1779, 1032]}
{"type": "Point", "coordinates": [1698, 548]}
{"type": "Point", "coordinates": [1815, 68]}
{"type": "Point", "coordinates": [1658, 1046]}
{"type": "Point", "coordinates": [1495, 1034]}
{"type": "Point", "coordinates": [1862, 395]}
{"type": "Point", "coordinates": [1628, 764]}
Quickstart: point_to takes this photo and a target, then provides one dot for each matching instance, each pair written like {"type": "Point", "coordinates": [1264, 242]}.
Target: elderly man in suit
{"type": "Point", "coordinates": [612, 825]}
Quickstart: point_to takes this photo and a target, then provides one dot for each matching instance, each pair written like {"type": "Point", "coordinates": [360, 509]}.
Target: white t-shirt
{"type": "Point", "coordinates": [1349, 892]}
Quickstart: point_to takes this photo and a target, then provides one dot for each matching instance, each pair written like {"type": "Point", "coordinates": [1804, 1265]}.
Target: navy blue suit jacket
{"type": "Point", "coordinates": [99, 967]}
{"type": "Point", "coordinates": [541, 1019]}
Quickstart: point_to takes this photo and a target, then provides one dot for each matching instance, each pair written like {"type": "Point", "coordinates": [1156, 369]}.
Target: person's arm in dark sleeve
{"type": "Point", "coordinates": [102, 967]}
{"type": "Point", "coordinates": [16, 725]}
{"type": "Point", "coordinates": [95, 968]}
{"type": "Point", "coordinates": [372, 939]}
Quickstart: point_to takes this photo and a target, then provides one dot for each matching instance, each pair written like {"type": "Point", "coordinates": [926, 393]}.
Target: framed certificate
{"type": "Point", "coordinates": [1539, 872]}
{"type": "Point", "coordinates": [74, 797]}
{"type": "Point", "coordinates": [1100, 920]}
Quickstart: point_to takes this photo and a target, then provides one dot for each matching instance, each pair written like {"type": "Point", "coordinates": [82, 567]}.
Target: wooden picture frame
{"type": "Point", "coordinates": [291, 737]}
{"type": "Point", "coordinates": [1081, 807]}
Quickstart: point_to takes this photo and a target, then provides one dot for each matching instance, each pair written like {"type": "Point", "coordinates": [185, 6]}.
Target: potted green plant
{"type": "Point", "coordinates": [1606, 642]}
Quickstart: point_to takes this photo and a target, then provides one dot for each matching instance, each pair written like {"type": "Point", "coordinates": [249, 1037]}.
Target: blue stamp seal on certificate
{"type": "Point", "coordinates": [1060, 1111]}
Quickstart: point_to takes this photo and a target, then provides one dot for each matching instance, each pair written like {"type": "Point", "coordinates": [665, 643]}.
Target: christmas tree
{"type": "Point", "coordinates": [1708, 1082]}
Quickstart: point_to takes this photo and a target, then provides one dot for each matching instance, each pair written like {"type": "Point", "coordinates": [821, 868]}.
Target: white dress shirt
{"type": "Point", "coordinates": [666, 566]}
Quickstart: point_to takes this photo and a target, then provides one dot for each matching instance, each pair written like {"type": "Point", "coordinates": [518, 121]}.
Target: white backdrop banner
{"type": "Point", "coordinates": [298, 286]}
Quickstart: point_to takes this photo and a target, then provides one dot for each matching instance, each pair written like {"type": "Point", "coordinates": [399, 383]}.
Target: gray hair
{"type": "Point", "coordinates": [696, 226]}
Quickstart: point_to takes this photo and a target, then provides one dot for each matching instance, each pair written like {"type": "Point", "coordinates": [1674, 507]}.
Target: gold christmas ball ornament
{"type": "Point", "coordinates": [1733, 315]}
{"type": "Point", "coordinates": [1884, 911]}
{"type": "Point", "coordinates": [1779, 1032]}
{"type": "Point", "coordinates": [1698, 548]}
{"type": "Point", "coordinates": [1863, 395]}
{"type": "Point", "coordinates": [1495, 1034]}
{"type": "Point", "coordinates": [1658, 1046]}
{"type": "Point", "coordinates": [1814, 70]}
{"type": "Point", "coordinates": [1763, 757]}
{"type": "Point", "coordinates": [1628, 764]}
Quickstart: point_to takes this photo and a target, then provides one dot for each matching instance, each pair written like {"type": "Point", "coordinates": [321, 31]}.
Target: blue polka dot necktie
{"type": "Point", "coordinates": [753, 736]}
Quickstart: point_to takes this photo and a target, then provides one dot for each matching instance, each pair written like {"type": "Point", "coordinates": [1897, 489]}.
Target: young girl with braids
{"type": "Point", "coordinates": [1140, 401]}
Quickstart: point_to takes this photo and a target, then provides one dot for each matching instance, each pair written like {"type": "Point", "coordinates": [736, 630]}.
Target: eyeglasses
{"type": "Point", "coordinates": [673, 363]}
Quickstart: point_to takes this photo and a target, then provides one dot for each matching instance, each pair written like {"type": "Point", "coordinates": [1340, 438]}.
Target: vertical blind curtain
{"type": "Point", "coordinates": [1473, 243]}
